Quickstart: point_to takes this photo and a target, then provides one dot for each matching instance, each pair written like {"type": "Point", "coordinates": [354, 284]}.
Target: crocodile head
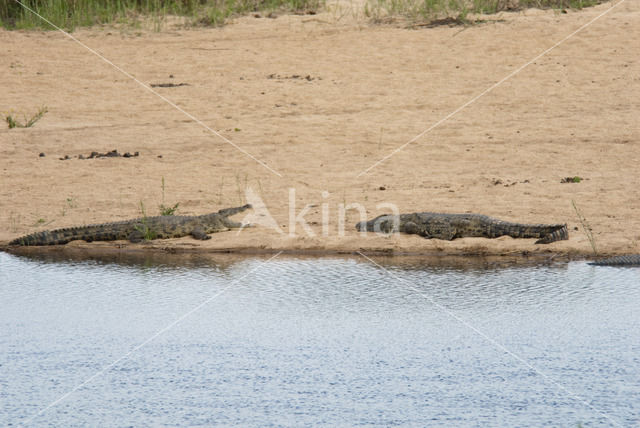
{"type": "Point", "coordinates": [382, 224]}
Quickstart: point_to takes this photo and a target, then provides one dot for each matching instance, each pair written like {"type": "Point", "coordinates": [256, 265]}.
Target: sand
{"type": "Point", "coordinates": [298, 107]}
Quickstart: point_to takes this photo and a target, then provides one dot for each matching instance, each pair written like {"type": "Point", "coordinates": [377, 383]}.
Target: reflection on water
{"type": "Point", "coordinates": [301, 341]}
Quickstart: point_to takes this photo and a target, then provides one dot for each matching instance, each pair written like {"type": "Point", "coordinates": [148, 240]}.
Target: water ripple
{"type": "Point", "coordinates": [300, 341]}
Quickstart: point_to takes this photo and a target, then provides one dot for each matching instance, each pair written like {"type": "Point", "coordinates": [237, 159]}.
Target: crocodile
{"type": "Point", "coordinates": [625, 260]}
{"type": "Point", "coordinates": [452, 226]}
{"type": "Point", "coordinates": [136, 230]}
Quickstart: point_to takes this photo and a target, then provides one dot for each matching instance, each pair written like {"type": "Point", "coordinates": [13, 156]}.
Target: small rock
{"type": "Point", "coordinates": [382, 188]}
{"type": "Point", "coordinates": [42, 155]}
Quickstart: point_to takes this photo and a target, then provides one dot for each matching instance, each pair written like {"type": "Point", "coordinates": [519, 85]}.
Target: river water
{"type": "Point", "coordinates": [288, 341]}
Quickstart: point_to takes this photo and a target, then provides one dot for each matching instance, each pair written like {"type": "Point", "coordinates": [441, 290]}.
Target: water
{"type": "Point", "coordinates": [316, 342]}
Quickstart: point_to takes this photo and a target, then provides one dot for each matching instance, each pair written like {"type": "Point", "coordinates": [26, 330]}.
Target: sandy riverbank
{"type": "Point", "coordinates": [320, 99]}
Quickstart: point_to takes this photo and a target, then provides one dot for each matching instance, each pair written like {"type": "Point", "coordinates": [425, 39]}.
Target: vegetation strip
{"type": "Point", "coordinates": [431, 13]}
{"type": "Point", "coordinates": [84, 13]}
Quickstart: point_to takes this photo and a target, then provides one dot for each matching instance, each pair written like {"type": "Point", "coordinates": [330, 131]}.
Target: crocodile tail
{"type": "Point", "coordinates": [626, 260]}
{"type": "Point", "coordinates": [53, 237]}
{"type": "Point", "coordinates": [558, 233]}
{"type": "Point", "coordinates": [227, 212]}
{"type": "Point", "coordinates": [92, 232]}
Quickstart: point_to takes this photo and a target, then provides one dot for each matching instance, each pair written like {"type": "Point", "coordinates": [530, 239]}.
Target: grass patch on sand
{"type": "Point", "coordinates": [454, 12]}
{"type": "Point", "coordinates": [167, 209]}
{"type": "Point", "coordinates": [69, 14]}
{"type": "Point", "coordinates": [27, 123]}
{"type": "Point", "coordinates": [586, 227]}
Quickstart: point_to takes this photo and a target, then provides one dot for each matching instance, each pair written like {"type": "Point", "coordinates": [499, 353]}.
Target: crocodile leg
{"type": "Point", "coordinates": [136, 236]}
{"type": "Point", "coordinates": [199, 233]}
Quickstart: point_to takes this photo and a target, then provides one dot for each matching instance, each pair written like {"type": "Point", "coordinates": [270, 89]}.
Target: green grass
{"type": "Point", "coordinates": [28, 123]}
{"type": "Point", "coordinates": [147, 233]}
{"type": "Point", "coordinates": [71, 204]}
{"type": "Point", "coordinates": [456, 11]}
{"type": "Point", "coordinates": [69, 14]}
{"type": "Point", "coordinates": [164, 209]}
{"type": "Point", "coordinates": [586, 227]}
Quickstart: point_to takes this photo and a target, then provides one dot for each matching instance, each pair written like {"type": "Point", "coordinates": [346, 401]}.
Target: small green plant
{"type": "Point", "coordinates": [169, 210]}
{"type": "Point", "coordinates": [70, 204]}
{"type": "Point", "coordinates": [13, 122]}
{"type": "Point", "coordinates": [586, 227]}
{"type": "Point", "coordinates": [147, 233]}
{"type": "Point", "coordinates": [165, 210]}
{"type": "Point", "coordinates": [574, 179]}
{"type": "Point", "coordinates": [14, 221]}
{"type": "Point", "coordinates": [40, 221]}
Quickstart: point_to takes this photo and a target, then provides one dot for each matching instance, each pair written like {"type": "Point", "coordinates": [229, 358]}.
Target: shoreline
{"type": "Point", "coordinates": [169, 247]}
